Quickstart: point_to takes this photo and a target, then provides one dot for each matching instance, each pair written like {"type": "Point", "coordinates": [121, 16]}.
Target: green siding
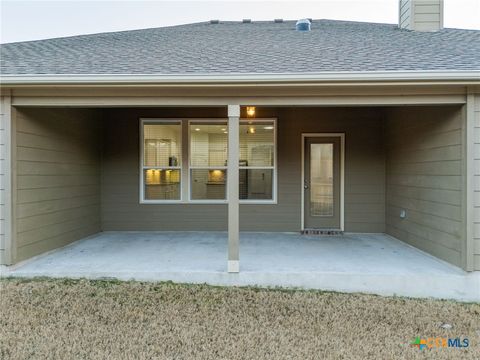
{"type": "Point", "coordinates": [476, 193]}
{"type": "Point", "coordinates": [424, 177]}
{"type": "Point", "coordinates": [78, 174]}
{"type": "Point", "coordinates": [364, 173]}
{"type": "Point", "coordinates": [58, 178]}
{"type": "Point", "coordinates": [3, 173]}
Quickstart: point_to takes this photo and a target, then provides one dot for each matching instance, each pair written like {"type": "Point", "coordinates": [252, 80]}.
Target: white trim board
{"type": "Point", "coordinates": [264, 100]}
{"type": "Point", "coordinates": [470, 77]}
{"type": "Point", "coordinates": [342, 175]}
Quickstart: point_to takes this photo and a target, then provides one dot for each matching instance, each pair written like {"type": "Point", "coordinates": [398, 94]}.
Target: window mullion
{"type": "Point", "coordinates": [185, 184]}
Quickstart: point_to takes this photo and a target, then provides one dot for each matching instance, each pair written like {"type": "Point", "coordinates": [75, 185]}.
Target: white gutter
{"type": "Point", "coordinates": [373, 76]}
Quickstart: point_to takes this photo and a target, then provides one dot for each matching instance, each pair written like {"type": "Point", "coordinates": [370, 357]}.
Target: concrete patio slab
{"type": "Point", "coordinates": [369, 263]}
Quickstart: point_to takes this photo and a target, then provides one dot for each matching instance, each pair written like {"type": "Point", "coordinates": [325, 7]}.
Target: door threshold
{"type": "Point", "coordinates": [332, 232]}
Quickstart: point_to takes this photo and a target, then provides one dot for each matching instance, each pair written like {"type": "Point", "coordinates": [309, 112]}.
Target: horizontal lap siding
{"type": "Point", "coordinates": [476, 185]}
{"type": "Point", "coordinates": [424, 177]}
{"type": "Point", "coordinates": [364, 173]}
{"type": "Point", "coordinates": [120, 181]}
{"type": "Point", "coordinates": [420, 14]}
{"type": "Point", "coordinates": [427, 14]}
{"type": "Point", "coordinates": [58, 178]}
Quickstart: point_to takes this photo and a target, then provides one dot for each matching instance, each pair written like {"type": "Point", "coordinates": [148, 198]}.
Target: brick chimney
{"type": "Point", "coordinates": [421, 15]}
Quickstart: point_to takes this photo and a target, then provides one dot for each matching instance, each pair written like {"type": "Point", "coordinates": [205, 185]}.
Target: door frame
{"type": "Point", "coordinates": [342, 175]}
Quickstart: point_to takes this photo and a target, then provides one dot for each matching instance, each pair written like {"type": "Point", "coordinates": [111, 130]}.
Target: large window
{"type": "Point", "coordinates": [208, 160]}
{"type": "Point", "coordinates": [161, 157]}
{"type": "Point", "coordinates": [205, 161]}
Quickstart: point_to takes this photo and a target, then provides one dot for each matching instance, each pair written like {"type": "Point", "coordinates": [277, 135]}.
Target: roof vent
{"type": "Point", "coordinates": [246, 21]}
{"type": "Point", "coordinates": [214, 21]}
{"type": "Point", "coordinates": [278, 21]}
{"type": "Point", "coordinates": [303, 25]}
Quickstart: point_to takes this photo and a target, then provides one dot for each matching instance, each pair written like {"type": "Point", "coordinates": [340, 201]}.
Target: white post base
{"type": "Point", "coordinates": [233, 266]}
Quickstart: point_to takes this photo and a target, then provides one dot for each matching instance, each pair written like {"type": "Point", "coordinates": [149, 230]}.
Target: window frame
{"type": "Point", "coordinates": [185, 167]}
{"type": "Point", "coordinates": [159, 121]}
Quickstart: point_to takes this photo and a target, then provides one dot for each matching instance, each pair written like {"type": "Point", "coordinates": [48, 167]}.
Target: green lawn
{"type": "Point", "coordinates": [66, 319]}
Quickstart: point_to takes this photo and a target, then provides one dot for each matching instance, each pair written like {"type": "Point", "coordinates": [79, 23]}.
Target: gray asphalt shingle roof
{"type": "Point", "coordinates": [257, 47]}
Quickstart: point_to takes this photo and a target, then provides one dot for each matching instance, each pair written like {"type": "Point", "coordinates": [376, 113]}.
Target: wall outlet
{"type": "Point", "coordinates": [403, 214]}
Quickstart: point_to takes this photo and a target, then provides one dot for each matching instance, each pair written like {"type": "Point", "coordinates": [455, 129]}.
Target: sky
{"type": "Point", "coordinates": [38, 19]}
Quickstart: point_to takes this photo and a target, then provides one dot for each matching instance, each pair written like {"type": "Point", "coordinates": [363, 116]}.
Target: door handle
{"type": "Point", "coordinates": [305, 185]}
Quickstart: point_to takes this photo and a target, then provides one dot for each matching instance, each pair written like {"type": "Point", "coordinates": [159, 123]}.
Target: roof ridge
{"type": "Point", "coordinates": [106, 33]}
{"type": "Point", "coordinates": [207, 22]}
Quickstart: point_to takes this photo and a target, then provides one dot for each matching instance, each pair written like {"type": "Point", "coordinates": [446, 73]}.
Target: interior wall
{"type": "Point", "coordinates": [57, 178]}
{"type": "Point", "coordinates": [424, 178]}
{"type": "Point", "coordinates": [364, 172]}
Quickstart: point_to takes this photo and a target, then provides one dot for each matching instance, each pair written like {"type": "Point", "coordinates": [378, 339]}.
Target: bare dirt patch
{"type": "Point", "coordinates": [66, 319]}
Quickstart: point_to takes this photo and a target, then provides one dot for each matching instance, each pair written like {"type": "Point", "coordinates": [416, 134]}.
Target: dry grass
{"type": "Point", "coordinates": [65, 319]}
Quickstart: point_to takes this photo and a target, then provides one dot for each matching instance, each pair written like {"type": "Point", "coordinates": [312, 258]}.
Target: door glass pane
{"type": "Point", "coordinates": [321, 179]}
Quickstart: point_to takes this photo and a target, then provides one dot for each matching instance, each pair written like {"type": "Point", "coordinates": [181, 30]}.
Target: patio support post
{"type": "Point", "coordinates": [233, 187]}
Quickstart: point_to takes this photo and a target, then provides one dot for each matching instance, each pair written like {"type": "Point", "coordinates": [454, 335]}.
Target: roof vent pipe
{"type": "Point", "coordinates": [303, 25]}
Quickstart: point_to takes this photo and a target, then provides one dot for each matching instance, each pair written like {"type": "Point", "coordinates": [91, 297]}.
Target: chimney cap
{"type": "Point", "coordinates": [278, 20]}
{"type": "Point", "coordinates": [246, 21]}
{"type": "Point", "coordinates": [215, 21]}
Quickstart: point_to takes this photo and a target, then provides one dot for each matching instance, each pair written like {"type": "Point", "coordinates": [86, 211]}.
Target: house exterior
{"type": "Point", "coordinates": [246, 126]}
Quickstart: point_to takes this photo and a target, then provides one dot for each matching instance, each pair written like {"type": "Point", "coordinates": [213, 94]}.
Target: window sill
{"type": "Point", "coordinates": [206, 202]}
{"type": "Point", "coordinates": [258, 202]}
{"type": "Point", "coordinates": [157, 202]}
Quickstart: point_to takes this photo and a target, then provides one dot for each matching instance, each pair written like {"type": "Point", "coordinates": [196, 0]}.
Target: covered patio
{"type": "Point", "coordinates": [369, 263]}
{"type": "Point", "coordinates": [96, 191]}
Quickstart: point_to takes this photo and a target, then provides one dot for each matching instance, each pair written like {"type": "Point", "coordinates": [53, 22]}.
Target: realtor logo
{"type": "Point", "coordinates": [439, 342]}
{"type": "Point", "coordinates": [420, 343]}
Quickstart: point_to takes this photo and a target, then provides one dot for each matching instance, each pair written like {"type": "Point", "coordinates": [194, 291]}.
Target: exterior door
{"type": "Point", "coordinates": [322, 181]}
